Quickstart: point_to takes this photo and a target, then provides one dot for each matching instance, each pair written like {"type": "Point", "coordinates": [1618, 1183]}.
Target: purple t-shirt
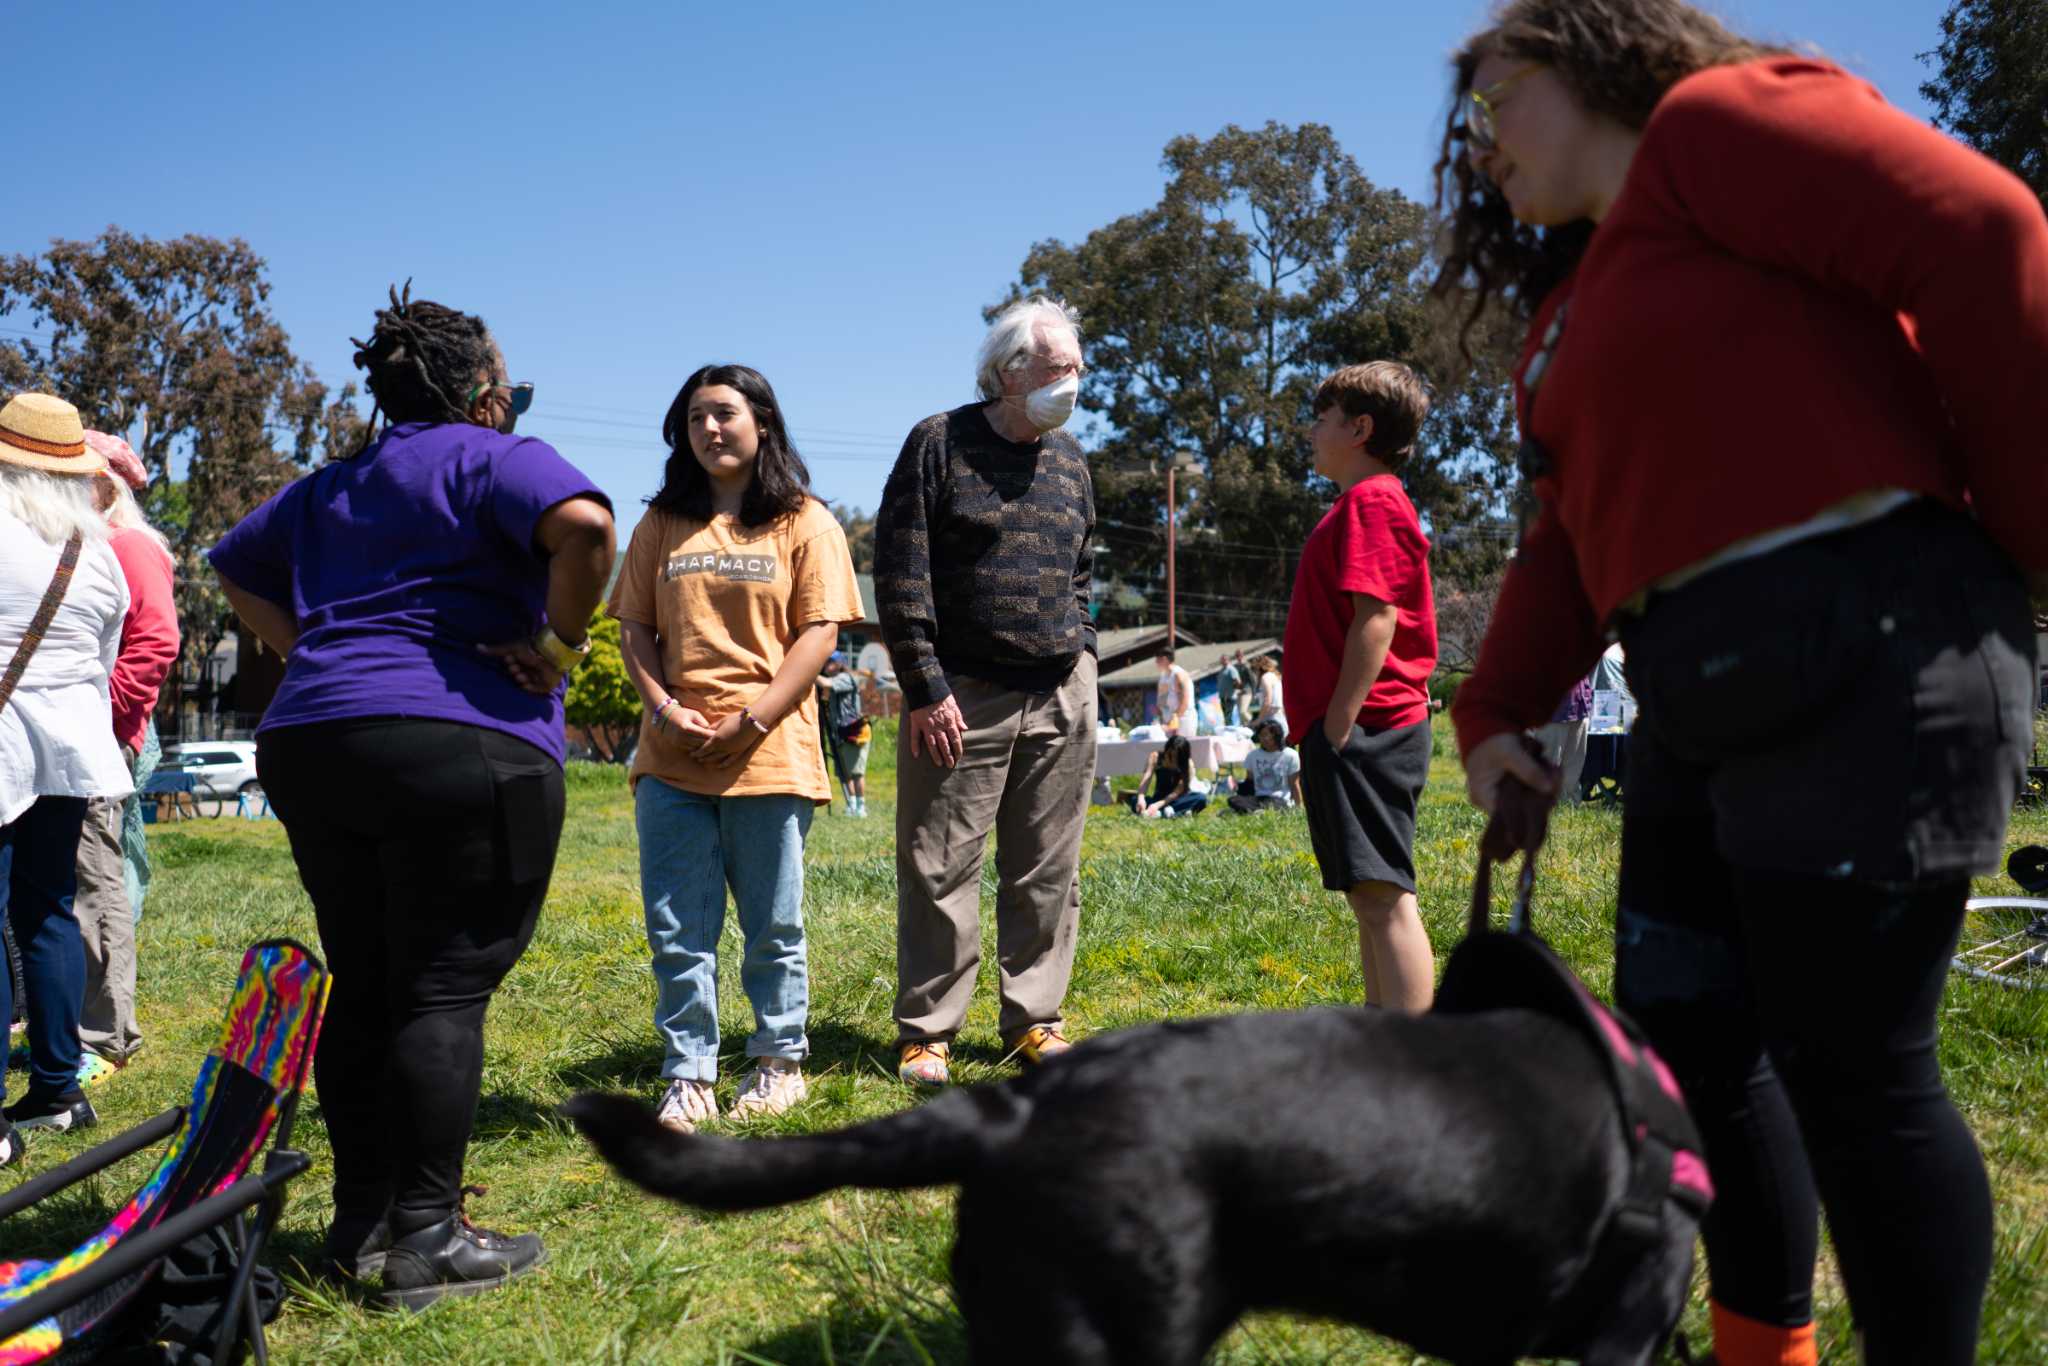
{"type": "Point", "coordinates": [398, 563]}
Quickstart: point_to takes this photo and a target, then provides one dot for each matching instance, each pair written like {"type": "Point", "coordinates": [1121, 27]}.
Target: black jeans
{"type": "Point", "coordinates": [426, 848]}
{"type": "Point", "coordinates": [1830, 739]}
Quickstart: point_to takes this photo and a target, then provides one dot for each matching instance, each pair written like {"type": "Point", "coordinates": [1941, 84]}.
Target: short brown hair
{"type": "Point", "coordinates": [1389, 393]}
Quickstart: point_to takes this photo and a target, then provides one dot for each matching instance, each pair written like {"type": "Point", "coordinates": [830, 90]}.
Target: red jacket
{"type": "Point", "coordinates": [149, 634]}
{"type": "Point", "coordinates": [1800, 294]}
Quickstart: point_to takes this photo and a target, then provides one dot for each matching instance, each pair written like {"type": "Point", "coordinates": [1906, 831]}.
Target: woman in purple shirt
{"type": "Point", "coordinates": [427, 595]}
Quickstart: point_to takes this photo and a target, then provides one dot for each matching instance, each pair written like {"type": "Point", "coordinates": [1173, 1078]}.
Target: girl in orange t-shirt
{"type": "Point", "coordinates": [729, 602]}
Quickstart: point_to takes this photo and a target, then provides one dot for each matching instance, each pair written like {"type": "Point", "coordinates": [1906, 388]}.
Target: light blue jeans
{"type": "Point", "coordinates": [692, 848]}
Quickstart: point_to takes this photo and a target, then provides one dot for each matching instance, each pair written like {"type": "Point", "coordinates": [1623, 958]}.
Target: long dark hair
{"type": "Point", "coordinates": [1618, 58]}
{"type": "Point", "coordinates": [781, 484]}
{"type": "Point", "coordinates": [1178, 755]}
{"type": "Point", "coordinates": [423, 358]}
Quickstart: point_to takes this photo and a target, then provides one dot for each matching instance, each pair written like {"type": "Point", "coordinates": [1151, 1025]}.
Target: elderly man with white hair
{"type": "Point", "coordinates": [981, 577]}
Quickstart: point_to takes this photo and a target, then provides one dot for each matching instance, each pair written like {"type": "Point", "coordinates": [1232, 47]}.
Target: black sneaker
{"type": "Point", "coordinates": [60, 1113]}
{"type": "Point", "coordinates": [10, 1145]}
{"type": "Point", "coordinates": [453, 1258]}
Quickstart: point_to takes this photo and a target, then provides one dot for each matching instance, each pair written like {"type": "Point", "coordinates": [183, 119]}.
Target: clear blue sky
{"type": "Point", "coordinates": [828, 192]}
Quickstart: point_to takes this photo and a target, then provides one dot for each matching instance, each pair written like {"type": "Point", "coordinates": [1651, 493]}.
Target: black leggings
{"type": "Point", "coordinates": [426, 848]}
{"type": "Point", "coordinates": [1804, 1037]}
{"type": "Point", "coordinates": [1831, 737]}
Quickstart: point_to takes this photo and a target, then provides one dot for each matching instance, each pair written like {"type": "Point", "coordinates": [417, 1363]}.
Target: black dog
{"type": "Point", "coordinates": [1466, 1182]}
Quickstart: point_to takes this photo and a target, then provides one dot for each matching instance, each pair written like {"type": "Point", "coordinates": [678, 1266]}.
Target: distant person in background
{"type": "Point", "coordinates": [847, 730]}
{"type": "Point", "coordinates": [730, 602]}
{"type": "Point", "coordinates": [1176, 696]}
{"type": "Point", "coordinates": [1564, 738]}
{"type": "Point", "coordinates": [981, 575]}
{"type": "Point", "coordinates": [1272, 704]}
{"type": "Point", "coordinates": [428, 595]}
{"type": "Point", "coordinates": [62, 603]}
{"type": "Point", "coordinates": [1231, 682]}
{"type": "Point", "coordinates": [1361, 643]}
{"type": "Point", "coordinates": [1274, 772]}
{"type": "Point", "coordinates": [113, 857]}
{"type": "Point", "coordinates": [1171, 771]}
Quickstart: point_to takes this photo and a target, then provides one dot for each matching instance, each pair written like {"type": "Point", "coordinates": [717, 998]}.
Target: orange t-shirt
{"type": "Point", "coordinates": [725, 602]}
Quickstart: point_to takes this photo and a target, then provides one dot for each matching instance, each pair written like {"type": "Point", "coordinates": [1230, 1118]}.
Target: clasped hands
{"type": "Point", "coordinates": [720, 743]}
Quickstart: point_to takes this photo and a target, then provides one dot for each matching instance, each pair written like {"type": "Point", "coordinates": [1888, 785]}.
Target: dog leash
{"type": "Point", "coordinates": [1520, 822]}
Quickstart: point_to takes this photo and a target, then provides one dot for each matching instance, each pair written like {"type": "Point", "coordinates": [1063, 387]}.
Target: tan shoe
{"type": "Point", "coordinates": [1037, 1044]}
{"type": "Point", "coordinates": [773, 1086]}
{"type": "Point", "coordinates": [924, 1063]}
{"type": "Point", "coordinates": [685, 1105]}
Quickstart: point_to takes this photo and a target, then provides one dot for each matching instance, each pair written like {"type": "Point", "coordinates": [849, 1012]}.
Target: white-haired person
{"type": "Point", "coordinates": [981, 578]}
{"type": "Point", "coordinates": [113, 859]}
{"type": "Point", "coordinates": [62, 602]}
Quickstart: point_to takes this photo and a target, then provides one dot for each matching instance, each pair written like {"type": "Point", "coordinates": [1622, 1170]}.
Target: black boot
{"type": "Point", "coordinates": [359, 1234]}
{"type": "Point", "coordinates": [454, 1257]}
{"type": "Point", "coordinates": [355, 1247]}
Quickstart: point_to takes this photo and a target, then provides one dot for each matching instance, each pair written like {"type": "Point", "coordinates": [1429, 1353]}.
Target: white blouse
{"type": "Point", "coordinates": [57, 731]}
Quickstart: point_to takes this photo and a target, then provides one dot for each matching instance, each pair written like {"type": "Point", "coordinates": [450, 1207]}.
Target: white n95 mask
{"type": "Point", "coordinates": [1052, 405]}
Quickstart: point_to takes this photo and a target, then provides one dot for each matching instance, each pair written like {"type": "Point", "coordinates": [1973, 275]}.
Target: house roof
{"type": "Point", "coordinates": [1201, 661]}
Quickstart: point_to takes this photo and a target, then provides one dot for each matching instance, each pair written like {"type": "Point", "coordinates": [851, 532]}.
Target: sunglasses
{"type": "Point", "coordinates": [1481, 130]}
{"type": "Point", "coordinates": [522, 396]}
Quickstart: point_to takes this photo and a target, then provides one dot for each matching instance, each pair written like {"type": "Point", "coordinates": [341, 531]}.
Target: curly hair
{"type": "Point", "coordinates": [781, 484]}
{"type": "Point", "coordinates": [422, 359]}
{"type": "Point", "coordinates": [1618, 58]}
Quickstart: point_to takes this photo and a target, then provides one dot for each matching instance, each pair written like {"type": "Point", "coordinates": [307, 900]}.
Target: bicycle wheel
{"type": "Point", "coordinates": [2005, 940]}
{"type": "Point", "coordinates": [206, 801]}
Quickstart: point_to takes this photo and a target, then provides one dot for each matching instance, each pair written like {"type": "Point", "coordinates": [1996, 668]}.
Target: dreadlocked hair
{"type": "Point", "coordinates": [1618, 58]}
{"type": "Point", "coordinates": [423, 358]}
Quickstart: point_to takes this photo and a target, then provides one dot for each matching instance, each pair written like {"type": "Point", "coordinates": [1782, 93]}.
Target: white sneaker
{"type": "Point", "coordinates": [685, 1105]}
{"type": "Point", "coordinates": [773, 1086]}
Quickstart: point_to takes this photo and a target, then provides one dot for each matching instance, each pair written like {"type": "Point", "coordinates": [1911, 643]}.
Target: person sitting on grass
{"type": "Point", "coordinates": [1360, 644]}
{"type": "Point", "coordinates": [1171, 772]}
{"type": "Point", "coordinates": [1274, 772]}
{"type": "Point", "coordinates": [730, 602]}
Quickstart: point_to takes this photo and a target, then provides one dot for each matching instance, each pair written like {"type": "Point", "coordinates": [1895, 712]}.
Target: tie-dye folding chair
{"type": "Point", "coordinates": [245, 1097]}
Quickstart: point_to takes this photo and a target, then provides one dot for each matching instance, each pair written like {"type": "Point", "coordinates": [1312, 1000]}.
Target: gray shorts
{"type": "Point", "coordinates": [853, 759]}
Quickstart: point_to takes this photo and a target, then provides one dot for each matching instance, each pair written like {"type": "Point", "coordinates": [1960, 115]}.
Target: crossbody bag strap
{"type": "Point", "coordinates": [45, 614]}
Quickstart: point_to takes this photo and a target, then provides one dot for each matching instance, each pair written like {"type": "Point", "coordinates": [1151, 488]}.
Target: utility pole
{"type": "Point", "coordinates": [1180, 460]}
{"type": "Point", "coordinates": [1172, 635]}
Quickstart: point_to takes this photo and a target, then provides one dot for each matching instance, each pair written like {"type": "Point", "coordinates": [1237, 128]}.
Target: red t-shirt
{"type": "Point", "coordinates": [1368, 542]}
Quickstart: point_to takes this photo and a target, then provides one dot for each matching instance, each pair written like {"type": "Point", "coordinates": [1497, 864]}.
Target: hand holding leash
{"type": "Point", "coordinates": [1520, 822]}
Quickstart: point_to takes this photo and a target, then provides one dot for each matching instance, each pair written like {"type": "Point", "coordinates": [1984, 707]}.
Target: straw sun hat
{"type": "Point", "coordinates": [42, 432]}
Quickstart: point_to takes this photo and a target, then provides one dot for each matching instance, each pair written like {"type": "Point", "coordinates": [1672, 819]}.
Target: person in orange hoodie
{"type": "Point", "coordinates": [1781, 415]}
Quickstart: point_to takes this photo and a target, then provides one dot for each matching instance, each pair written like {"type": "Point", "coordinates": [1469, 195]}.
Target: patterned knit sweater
{"type": "Point", "coordinates": [982, 557]}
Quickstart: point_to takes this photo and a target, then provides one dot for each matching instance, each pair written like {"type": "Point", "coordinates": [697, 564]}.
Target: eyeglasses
{"type": "Point", "coordinates": [522, 396]}
{"type": "Point", "coordinates": [1480, 128]}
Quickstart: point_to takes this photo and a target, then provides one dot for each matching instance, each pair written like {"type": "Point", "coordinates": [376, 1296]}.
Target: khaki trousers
{"type": "Point", "coordinates": [1028, 762]}
{"type": "Point", "coordinates": [106, 922]}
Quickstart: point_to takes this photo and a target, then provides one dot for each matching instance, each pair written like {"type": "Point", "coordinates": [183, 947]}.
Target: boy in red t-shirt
{"type": "Point", "coordinates": [1360, 643]}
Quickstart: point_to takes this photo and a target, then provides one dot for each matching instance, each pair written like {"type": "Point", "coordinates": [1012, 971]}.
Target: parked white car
{"type": "Point", "coordinates": [228, 766]}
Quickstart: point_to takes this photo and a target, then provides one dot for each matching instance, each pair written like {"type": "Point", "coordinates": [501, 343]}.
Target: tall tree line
{"type": "Point", "coordinates": [173, 345]}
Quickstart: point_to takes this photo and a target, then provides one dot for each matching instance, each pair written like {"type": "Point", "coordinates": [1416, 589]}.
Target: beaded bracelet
{"type": "Point", "coordinates": [747, 714]}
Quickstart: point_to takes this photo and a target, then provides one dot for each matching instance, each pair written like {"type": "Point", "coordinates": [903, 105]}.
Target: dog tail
{"type": "Point", "coordinates": [939, 1143]}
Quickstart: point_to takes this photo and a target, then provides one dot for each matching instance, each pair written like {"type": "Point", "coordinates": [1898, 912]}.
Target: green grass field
{"type": "Point", "coordinates": [1213, 914]}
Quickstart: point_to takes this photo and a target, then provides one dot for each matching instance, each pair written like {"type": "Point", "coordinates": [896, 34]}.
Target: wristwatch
{"type": "Point", "coordinates": [558, 651]}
